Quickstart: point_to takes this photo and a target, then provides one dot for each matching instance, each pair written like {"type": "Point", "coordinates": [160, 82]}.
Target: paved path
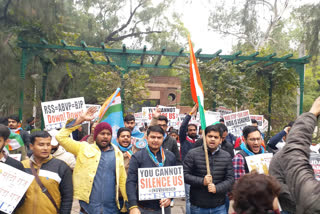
{"type": "Point", "coordinates": [178, 208]}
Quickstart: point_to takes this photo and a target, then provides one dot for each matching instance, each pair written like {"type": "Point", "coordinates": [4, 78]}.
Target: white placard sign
{"type": "Point", "coordinates": [13, 184]}
{"type": "Point", "coordinates": [259, 119]}
{"type": "Point", "coordinates": [259, 163]}
{"type": "Point", "coordinates": [172, 113]}
{"type": "Point", "coordinates": [161, 182]}
{"type": "Point", "coordinates": [237, 121]}
{"type": "Point", "coordinates": [98, 107]}
{"type": "Point", "coordinates": [223, 110]}
{"type": "Point", "coordinates": [56, 113]}
{"type": "Point", "coordinates": [212, 117]}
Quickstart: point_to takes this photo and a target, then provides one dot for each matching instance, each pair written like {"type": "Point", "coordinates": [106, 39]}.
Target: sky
{"type": "Point", "coordinates": [195, 16]}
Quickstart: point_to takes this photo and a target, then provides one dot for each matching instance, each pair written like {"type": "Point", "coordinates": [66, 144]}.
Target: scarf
{"type": "Point", "coordinates": [250, 153]}
{"type": "Point", "coordinates": [126, 150]}
{"type": "Point", "coordinates": [190, 139]}
{"type": "Point", "coordinates": [154, 158]}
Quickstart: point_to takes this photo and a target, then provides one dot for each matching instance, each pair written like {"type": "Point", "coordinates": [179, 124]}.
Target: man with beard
{"type": "Point", "coordinates": [251, 146]}
{"type": "Point", "coordinates": [99, 172]}
{"type": "Point", "coordinates": [4, 140]}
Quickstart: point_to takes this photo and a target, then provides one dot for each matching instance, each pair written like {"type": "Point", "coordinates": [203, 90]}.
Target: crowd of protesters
{"type": "Point", "coordinates": [103, 175]}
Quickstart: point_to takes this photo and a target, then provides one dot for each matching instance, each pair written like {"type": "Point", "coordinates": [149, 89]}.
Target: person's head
{"type": "Point", "coordinates": [252, 138]}
{"type": "Point", "coordinates": [80, 129]}
{"type": "Point", "coordinates": [221, 121]}
{"type": "Point", "coordinates": [13, 122]}
{"type": "Point", "coordinates": [129, 121]}
{"type": "Point", "coordinates": [30, 121]}
{"type": "Point", "coordinates": [200, 131]}
{"type": "Point", "coordinates": [155, 136]}
{"type": "Point", "coordinates": [192, 130]}
{"type": "Point", "coordinates": [224, 130]}
{"type": "Point", "coordinates": [163, 122]}
{"type": "Point", "coordinates": [213, 135]}
{"type": "Point", "coordinates": [4, 121]}
{"type": "Point", "coordinates": [4, 136]}
{"type": "Point", "coordinates": [41, 144]}
{"type": "Point", "coordinates": [287, 129]}
{"type": "Point", "coordinates": [174, 134]}
{"type": "Point", "coordinates": [254, 193]}
{"type": "Point", "coordinates": [124, 137]}
{"type": "Point", "coordinates": [254, 122]}
{"type": "Point", "coordinates": [103, 135]}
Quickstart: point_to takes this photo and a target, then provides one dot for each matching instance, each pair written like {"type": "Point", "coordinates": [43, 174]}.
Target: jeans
{"type": "Point", "coordinates": [167, 210]}
{"type": "Point", "coordinates": [187, 191]}
{"type": "Point", "coordinates": [217, 210]}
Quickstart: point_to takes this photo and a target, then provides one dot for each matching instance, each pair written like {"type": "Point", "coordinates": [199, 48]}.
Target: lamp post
{"type": "Point", "coordinates": [34, 77]}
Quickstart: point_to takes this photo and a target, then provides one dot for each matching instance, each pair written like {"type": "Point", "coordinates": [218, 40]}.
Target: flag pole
{"type": "Point", "coordinates": [206, 152]}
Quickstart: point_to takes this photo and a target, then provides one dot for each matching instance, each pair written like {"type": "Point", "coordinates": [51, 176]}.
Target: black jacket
{"type": "Point", "coordinates": [18, 165]}
{"type": "Point", "coordinates": [25, 137]}
{"type": "Point", "coordinates": [138, 160]}
{"type": "Point", "coordinates": [222, 176]}
{"type": "Point", "coordinates": [185, 145]}
{"type": "Point", "coordinates": [171, 144]}
{"type": "Point", "coordinates": [226, 146]}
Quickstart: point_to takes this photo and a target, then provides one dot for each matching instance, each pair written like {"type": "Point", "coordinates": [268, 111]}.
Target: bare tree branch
{"type": "Point", "coordinates": [109, 37]}
{"type": "Point", "coordinates": [133, 35]}
{"type": "Point", "coordinates": [5, 10]}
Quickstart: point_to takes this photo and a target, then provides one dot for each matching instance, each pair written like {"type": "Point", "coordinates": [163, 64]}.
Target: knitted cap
{"type": "Point", "coordinates": [100, 127]}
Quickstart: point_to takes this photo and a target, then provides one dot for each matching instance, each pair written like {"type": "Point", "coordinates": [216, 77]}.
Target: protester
{"type": "Point", "coordinates": [251, 146]}
{"type": "Point", "coordinates": [4, 140]}
{"type": "Point", "coordinates": [299, 175]}
{"type": "Point", "coordinates": [188, 137]}
{"type": "Point", "coordinates": [175, 135]}
{"type": "Point", "coordinates": [208, 192]}
{"type": "Point", "coordinates": [254, 122]}
{"type": "Point", "coordinates": [15, 127]}
{"type": "Point", "coordinates": [30, 124]}
{"type": "Point", "coordinates": [51, 191]}
{"type": "Point", "coordinates": [226, 146]}
{"type": "Point", "coordinates": [130, 122]}
{"type": "Point", "coordinates": [124, 144]}
{"type": "Point", "coordinates": [99, 172]}
{"type": "Point", "coordinates": [278, 141]}
{"type": "Point", "coordinates": [288, 204]}
{"type": "Point", "coordinates": [230, 137]}
{"type": "Point", "coordinates": [169, 143]}
{"type": "Point", "coordinates": [255, 194]}
{"type": "Point", "coordinates": [78, 134]}
{"type": "Point", "coordinates": [152, 156]}
{"type": "Point", "coordinates": [59, 152]}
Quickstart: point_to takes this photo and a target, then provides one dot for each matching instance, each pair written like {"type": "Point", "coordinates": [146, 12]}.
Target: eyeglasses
{"type": "Point", "coordinates": [254, 139]}
{"type": "Point", "coordinates": [163, 125]}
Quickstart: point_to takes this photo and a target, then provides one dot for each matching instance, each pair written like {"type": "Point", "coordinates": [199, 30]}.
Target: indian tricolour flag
{"type": "Point", "coordinates": [15, 142]}
{"type": "Point", "coordinates": [111, 112]}
{"type": "Point", "coordinates": [196, 85]}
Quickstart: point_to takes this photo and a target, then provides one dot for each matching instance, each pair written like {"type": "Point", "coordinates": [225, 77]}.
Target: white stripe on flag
{"type": "Point", "coordinates": [196, 85]}
{"type": "Point", "coordinates": [117, 100]}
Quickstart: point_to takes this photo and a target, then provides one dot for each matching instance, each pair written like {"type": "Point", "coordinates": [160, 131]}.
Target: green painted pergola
{"type": "Point", "coordinates": [126, 59]}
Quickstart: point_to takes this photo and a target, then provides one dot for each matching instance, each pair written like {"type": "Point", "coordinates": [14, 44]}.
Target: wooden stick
{"type": "Point", "coordinates": [206, 152]}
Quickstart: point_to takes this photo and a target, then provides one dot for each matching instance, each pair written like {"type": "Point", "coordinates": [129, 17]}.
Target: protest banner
{"type": "Point", "coordinates": [161, 182]}
{"type": "Point", "coordinates": [315, 163]}
{"type": "Point", "coordinates": [212, 117]}
{"type": "Point", "coordinates": [98, 107]}
{"type": "Point", "coordinates": [56, 113]}
{"type": "Point", "coordinates": [259, 163]}
{"type": "Point", "coordinates": [13, 184]}
{"type": "Point", "coordinates": [259, 119]}
{"type": "Point", "coordinates": [223, 110]}
{"type": "Point", "coordinates": [237, 121]}
{"type": "Point", "coordinates": [172, 113]}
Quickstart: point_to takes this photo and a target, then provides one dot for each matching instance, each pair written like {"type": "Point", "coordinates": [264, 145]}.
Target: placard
{"type": "Point", "coordinates": [212, 117]}
{"type": "Point", "coordinates": [56, 113]}
{"type": "Point", "coordinates": [223, 110]}
{"type": "Point", "coordinates": [315, 163]}
{"type": "Point", "coordinates": [172, 113]}
{"type": "Point", "coordinates": [259, 163]}
{"type": "Point", "coordinates": [161, 182]}
{"type": "Point", "coordinates": [237, 121]}
{"type": "Point", "coordinates": [98, 107]}
{"type": "Point", "coordinates": [13, 184]}
{"type": "Point", "coordinates": [259, 119]}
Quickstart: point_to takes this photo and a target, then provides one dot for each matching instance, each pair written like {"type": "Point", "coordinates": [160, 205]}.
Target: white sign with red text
{"type": "Point", "coordinates": [172, 113]}
{"type": "Point", "coordinates": [160, 182]}
{"type": "Point", "coordinates": [259, 119]}
{"type": "Point", "coordinates": [56, 113]}
{"type": "Point", "coordinates": [13, 184]}
{"type": "Point", "coordinates": [223, 110]}
{"type": "Point", "coordinates": [237, 121]}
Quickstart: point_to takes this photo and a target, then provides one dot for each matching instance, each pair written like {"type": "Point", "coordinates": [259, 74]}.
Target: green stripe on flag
{"type": "Point", "coordinates": [202, 116]}
{"type": "Point", "coordinates": [112, 109]}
